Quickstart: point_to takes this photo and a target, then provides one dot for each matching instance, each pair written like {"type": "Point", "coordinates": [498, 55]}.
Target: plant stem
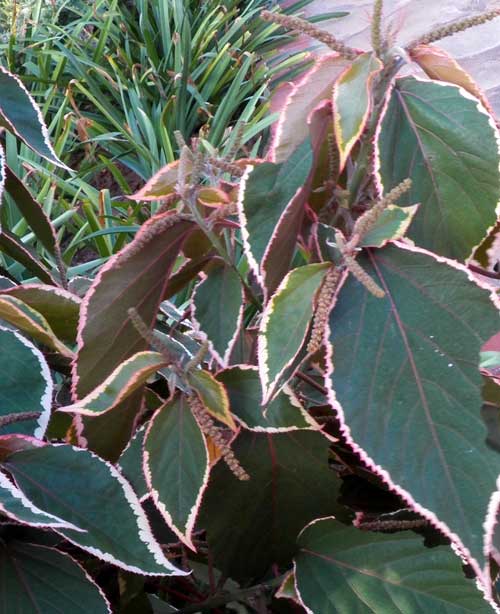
{"type": "Point", "coordinates": [20, 417]}
{"type": "Point", "coordinates": [238, 595]}
{"type": "Point", "coordinates": [190, 200]}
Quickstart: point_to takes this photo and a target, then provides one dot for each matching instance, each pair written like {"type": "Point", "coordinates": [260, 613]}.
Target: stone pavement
{"type": "Point", "coordinates": [477, 50]}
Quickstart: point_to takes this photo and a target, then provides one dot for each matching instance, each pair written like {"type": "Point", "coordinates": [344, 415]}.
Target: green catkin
{"type": "Point", "coordinates": [185, 160]}
{"type": "Point", "coordinates": [198, 358]}
{"type": "Point", "coordinates": [227, 167]}
{"type": "Point", "coordinates": [323, 308]}
{"type": "Point", "coordinates": [376, 32]}
{"type": "Point", "coordinates": [453, 28]}
{"type": "Point", "coordinates": [355, 269]}
{"type": "Point", "coordinates": [208, 427]}
{"type": "Point", "coordinates": [365, 222]}
{"type": "Point", "coordinates": [393, 525]}
{"type": "Point", "coordinates": [303, 26]}
{"type": "Point", "coordinates": [238, 139]}
{"type": "Point", "coordinates": [148, 335]}
{"type": "Point", "coordinates": [362, 276]}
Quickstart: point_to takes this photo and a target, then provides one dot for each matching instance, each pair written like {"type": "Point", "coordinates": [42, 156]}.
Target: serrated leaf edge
{"type": "Point", "coordinates": [459, 547]}
{"type": "Point", "coordinates": [185, 534]}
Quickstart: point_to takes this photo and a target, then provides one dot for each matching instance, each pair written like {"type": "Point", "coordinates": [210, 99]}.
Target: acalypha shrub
{"type": "Point", "coordinates": [277, 393]}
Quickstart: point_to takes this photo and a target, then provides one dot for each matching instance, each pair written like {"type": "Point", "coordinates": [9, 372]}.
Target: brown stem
{"type": "Point", "coordinates": [21, 417]}
{"type": "Point", "coordinates": [484, 272]}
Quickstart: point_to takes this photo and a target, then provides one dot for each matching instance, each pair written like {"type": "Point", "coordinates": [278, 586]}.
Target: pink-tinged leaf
{"type": "Point", "coordinates": [213, 395]}
{"type": "Point", "coordinates": [339, 568]}
{"type": "Point", "coordinates": [313, 89]}
{"type": "Point", "coordinates": [438, 64]}
{"type": "Point", "coordinates": [442, 138]}
{"type": "Point", "coordinates": [9, 444]}
{"type": "Point", "coordinates": [38, 579]}
{"type": "Point", "coordinates": [162, 184]}
{"type": "Point", "coordinates": [217, 309]}
{"type": "Point", "coordinates": [136, 278]}
{"type": "Point", "coordinates": [284, 413]}
{"type": "Point", "coordinates": [406, 387]}
{"type": "Point", "coordinates": [31, 210]}
{"type": "Point", "coordinates": [266, 191]}
{"type": "Point", "coordinates": [15, 505]}
{"type": "Point", "coordinates": [392, 225]}
{"type": "Point", "coordinates": [176, 465]}
{"type": "Point", "coordinates": [285, 323]}
{"type": "Point", "coordinates": [282, 244]}
{"type": "Point", "coordinates": [20, 115]}
{"type": "Point", "coordinates": [13, 247]}
{"type": "Point", "coordinates": [125, 379]}
{"type": "Point", "coordinates": [212, 197]}
{"type": "Point", "coordinates": [108, 434]}
{"type": "Point", "coordinates": [186, 273]}
{"type": "Point", "coordinates": [29, 321]}
{"type": "Point", "coordinates": [59, 307]}
{"type": "Point", "coordinates": [352, 102]}
{"type": "Point", "coordinates": [130, 462]}
{"type": "Point", "coordinates": [25, 384]}
{"type": "Point", "coordinates": [81, 488]}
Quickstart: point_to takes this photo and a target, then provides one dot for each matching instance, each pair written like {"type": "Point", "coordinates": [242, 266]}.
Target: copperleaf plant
{"type": "Point", "coordinates": [275, 390]}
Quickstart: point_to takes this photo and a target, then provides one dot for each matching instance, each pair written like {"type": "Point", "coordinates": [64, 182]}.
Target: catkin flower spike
{"type": "Point", "coordinates": [148, 336]}
{"type": "Point", "coordinates": [183, 171]}
{"type": "Point", "coordinates": [377, 42]}
{"type": "Point", "coordinates": [453, 28]}
{"type": "Point", "coordinates": [365, 223]}
{"type": "Point", "coordinates": [323, 308]}
{"type": "Point", "coordinates": [198, 358]}
{"type": "Point", "coordinates": [227, 167]}
{"type": "Point", "coordinates": [208, 428]}
{"type": "Point", "coordinates": [303, 26]}
{"type": "Point", "coordinates": [357, 270]}
{"type": "Point", "coordinates": [239, 133]}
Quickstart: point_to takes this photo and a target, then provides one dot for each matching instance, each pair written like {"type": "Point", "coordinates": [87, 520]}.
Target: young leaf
{"type": "Point", "coordinates": [407, 387]}
{"type": "Point", "coordinates": [213, 395]}
{"type": "Point", "coordinates": [135, 277]}
{"type": "Point", "coordinates": [392, 225]}
{"type": "Point", "coordinates": [342, 569]}
{"type": "Point", "coordinates": [59, 307]}
{"type": "Point", "coordinates": [20, 115]}
{"type": "Point", "coordinates": [284, 412]}
{"type": "Point", "coordinates": [161, 185]}
{"type": "Point", "coordinates": [290, 485]}
{"type": "Point", "coordinates": [217, 309]}
{"type": "Point", "coordinates": [438, 64]}
{"type": "Point", "coordinates": [352, 102]}
{"type": "Point", "coordinates": [125, 379]}
{"type": "Point", "coordinates": [130, 463]}
{"type": "Point", "coordinates": [176, 466]}
{"type": "Point", "coordinates": [25, 384]}
{"type": "Point", "coordinates": [28, 320]}
{"type": "Point", "coordinates": [285, 323]}
{"type": "Point", "coordinates": [265, 192]}
{"type": "Point", "coordinates": [313, 89]}
{"type": "Point", "coordinates": [39, 579]}
{"type": "Point", "coordinates": [79, 487]}
{"type": "Point", "coordinates": [443, 139]}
